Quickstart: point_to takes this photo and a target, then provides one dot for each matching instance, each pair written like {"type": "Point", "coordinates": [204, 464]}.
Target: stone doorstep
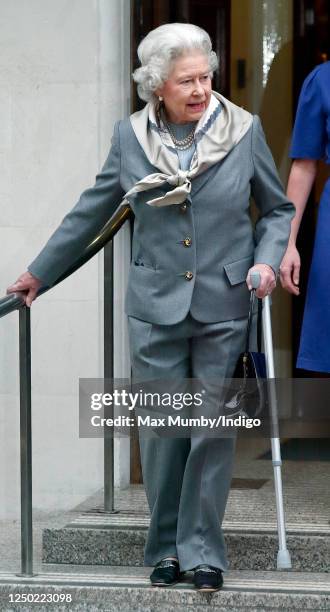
{"type": "Point", "coordinates": [116, 545]}
{"type": "Point", "coordinates": [126, 519]}
{"type": "Point", "coordinates": [131, 592]}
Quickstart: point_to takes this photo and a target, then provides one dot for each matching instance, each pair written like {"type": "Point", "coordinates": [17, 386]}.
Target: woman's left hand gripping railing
{"type": "Point", "coordinates": [8, 304]}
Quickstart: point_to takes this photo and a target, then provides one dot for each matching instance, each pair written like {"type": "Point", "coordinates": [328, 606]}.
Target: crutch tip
{"type": "Point", "coordinates": [284, 559]}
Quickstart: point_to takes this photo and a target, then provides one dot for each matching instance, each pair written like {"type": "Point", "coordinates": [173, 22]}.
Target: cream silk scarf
{"type": "Point", "coordinates": [219, 129]}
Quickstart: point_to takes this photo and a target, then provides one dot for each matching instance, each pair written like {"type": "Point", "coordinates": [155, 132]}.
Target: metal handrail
{"type": "Point", "coordinates": [13, 302]}
{"type": "Point", "coordinates": [9, 303]}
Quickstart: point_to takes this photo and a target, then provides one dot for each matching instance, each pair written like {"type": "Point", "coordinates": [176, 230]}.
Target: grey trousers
{"type": "Point", "coordinates": [187, 480]}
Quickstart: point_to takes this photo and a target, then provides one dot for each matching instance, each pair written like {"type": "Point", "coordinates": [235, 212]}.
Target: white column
{"type": "Point", "coordinates": [114, 96]}
{"type": "Point", "coordinates": [64, 80]}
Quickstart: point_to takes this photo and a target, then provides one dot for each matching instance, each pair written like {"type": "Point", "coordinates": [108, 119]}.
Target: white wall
{"type": "Point", "coordinates": [64, 80]}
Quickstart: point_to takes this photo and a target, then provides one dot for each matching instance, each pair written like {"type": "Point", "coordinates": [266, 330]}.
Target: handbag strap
{"type": "Point", "coordinates": [249, 323]}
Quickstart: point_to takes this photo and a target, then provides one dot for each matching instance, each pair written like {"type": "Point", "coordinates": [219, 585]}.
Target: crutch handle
{"type": "Point", "coordinates": [255, 279]}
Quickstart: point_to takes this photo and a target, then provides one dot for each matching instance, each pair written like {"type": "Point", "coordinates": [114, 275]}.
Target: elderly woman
{"type": "Point", "coordinates": [187, 164]}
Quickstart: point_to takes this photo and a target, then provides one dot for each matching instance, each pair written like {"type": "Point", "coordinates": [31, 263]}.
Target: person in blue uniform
{"type": "Point", "coordinates": [310, 143]}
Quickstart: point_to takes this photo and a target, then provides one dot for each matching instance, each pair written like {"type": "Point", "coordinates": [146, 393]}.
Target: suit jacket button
{"type": "Point", "coordinates": [188, 275]}
{"type": "Point", "coordinates": [187, 242]}
{"type": "Point", "coordinates": [183, 207]}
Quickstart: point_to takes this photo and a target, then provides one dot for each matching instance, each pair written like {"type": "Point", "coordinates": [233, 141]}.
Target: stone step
{"type": "Point", "coordinates": [128, 589]}
{"type": "Point", "coordinates": [119, 539]}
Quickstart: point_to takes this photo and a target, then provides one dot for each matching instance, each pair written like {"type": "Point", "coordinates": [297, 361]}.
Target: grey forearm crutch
{"type": "Point", "coordinates": [283, 555]}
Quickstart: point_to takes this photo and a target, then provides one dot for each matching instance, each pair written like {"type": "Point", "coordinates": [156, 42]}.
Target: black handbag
{"type": "Point", "coordinates": [249, 399]}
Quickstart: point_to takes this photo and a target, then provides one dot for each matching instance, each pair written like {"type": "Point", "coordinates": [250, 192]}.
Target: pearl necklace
{"type": "Point", "coordinates": [184, 143]}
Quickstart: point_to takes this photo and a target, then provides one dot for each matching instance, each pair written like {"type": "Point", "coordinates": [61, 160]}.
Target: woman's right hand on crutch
{"type": "Point", "coordinates": [267, 279]}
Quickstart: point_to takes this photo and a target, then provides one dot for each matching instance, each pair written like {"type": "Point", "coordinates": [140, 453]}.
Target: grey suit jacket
{"type": "Point", "coordinates": [187, 257]}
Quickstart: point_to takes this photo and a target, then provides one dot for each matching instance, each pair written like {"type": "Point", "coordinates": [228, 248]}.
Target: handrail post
{"type": "Point", "coordinates": [25, 441]}
{"type": "Point", "coordinates": [108, 374]}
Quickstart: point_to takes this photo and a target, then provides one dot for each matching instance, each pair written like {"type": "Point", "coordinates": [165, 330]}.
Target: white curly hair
{"type": "Point", "coordinates": [161, 47]}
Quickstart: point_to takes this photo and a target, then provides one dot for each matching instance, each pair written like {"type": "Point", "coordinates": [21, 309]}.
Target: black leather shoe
{"type": "Point", "coordinates": [166, 573]}
{"type": "Point", "coordinates": [208, 578]}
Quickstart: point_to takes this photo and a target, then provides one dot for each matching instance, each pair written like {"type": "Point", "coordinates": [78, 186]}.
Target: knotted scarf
{"type": "Point", "coordinates": [221, 127]}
